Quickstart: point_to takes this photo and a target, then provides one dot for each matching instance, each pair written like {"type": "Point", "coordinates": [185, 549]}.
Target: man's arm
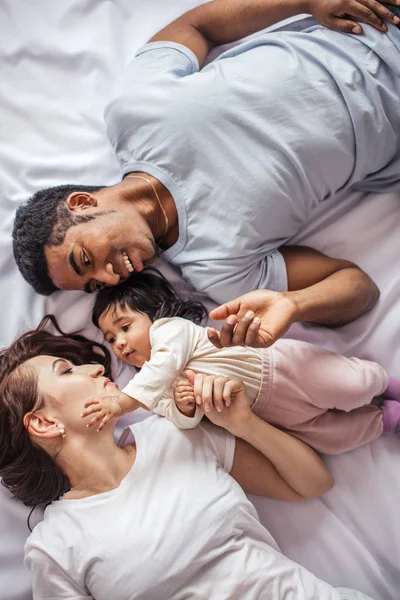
{"type": "Point", "coordinates": [322, 290]}
{"type": "Point", "coordinates": [224, 21]}
{"type": "Point", "coordinates": [326, 290]}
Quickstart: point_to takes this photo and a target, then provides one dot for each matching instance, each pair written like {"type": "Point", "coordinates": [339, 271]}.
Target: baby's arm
{"type": "Point", "coordinates": [184, 413]}
{"type": "Point", "coordinates": [184, 397]}
{"type": "Point", "coordinates": [109, 407]}
{"type": "Point", "coordinates": [173, 343]}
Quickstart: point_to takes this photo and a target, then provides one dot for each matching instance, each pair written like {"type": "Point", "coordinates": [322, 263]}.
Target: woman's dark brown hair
{"type": "Point", "coordinates": [26, 469]}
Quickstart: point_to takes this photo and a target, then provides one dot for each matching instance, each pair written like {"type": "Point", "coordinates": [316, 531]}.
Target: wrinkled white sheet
{"type": "Point", "coordinates": [58, 61]}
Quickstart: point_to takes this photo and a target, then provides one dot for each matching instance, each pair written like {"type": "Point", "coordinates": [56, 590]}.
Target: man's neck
{"type": "Point", "coordinates": [162, 214]}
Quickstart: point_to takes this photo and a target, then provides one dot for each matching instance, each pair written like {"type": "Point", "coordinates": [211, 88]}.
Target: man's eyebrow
{"type": "Point", "coordinates": [73, 264]}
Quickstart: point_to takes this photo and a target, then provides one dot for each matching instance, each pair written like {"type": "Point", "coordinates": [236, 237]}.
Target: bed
{"type": "Point", "coordinates": [58, 62]}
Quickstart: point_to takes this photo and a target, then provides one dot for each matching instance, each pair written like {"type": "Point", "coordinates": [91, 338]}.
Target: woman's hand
{"type": "Point", "coordinates": [224, 399]}
{"type": "Point", "coordinates": [336, 14]}
{"type": "Point", "coordinates": [255, 319]}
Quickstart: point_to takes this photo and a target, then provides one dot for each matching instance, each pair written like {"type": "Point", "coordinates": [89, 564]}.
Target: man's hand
{"type": "Point", "coordinates": [255, 319]}
{"type": "Point", "coordinates": [336, 14]}
{"type": "Point", "coordinates": [104, 409]}
{"type": "Point", "coordinates": [224, 399]}
{"type": "Point", "coordinates": [184, 397]}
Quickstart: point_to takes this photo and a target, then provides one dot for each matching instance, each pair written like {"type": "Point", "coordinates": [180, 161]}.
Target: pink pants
{"type": "Point", "coordinates": [321, 397]}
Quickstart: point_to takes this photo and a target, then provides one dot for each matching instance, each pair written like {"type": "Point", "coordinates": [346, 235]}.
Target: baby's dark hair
{"type": "Point", "coordinates": [150, 293]}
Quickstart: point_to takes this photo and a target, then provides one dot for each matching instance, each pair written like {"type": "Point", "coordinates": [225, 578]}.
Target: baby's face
{"type": "Point", "coordinates": [128, 332]}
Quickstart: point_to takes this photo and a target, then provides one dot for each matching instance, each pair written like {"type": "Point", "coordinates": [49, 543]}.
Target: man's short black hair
{"type": "Point", "coordinates": [44, 219]}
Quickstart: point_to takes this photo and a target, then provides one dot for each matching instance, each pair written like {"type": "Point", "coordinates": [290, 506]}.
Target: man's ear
{"type": "Point", "coordinates": [81, 201]}
{"type": "Point", "coordinates": [41, 426]}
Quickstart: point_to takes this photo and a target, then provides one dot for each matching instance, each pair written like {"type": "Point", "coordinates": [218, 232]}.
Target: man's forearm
{"type": "Point", "coordinates": [224, 21]}
{"type": "Point", "coordinates": [336, 300]}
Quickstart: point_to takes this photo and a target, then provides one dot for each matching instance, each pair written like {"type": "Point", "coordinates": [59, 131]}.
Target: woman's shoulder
{"type": "Point", "coordinates": [51, 533]}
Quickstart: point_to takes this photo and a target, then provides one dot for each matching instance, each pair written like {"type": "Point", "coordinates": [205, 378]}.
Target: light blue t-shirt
{"type": "Point", "coordinates": [249, 145]}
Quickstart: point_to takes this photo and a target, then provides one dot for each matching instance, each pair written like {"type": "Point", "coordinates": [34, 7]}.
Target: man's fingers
{"type": "Point", "coordinates": [223, 311]}
{"type": "Point", "coordinates": [344, 25]}
{"type": "Point", "coordinates": [252, 333]}
{"type": "Point", "coordinates": [239, 335]}
{"type": "Point", "coordinates": [227, 331]}
{"type": "Point", "coordinates": [213, 337]}
{"type": "Point", "coordinates": [373, 11]}
{"type": "Point", "coordinates": [364, 12]}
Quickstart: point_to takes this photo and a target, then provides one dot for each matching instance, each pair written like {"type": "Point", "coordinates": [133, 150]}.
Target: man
{"type": "Point", "coordinates": [224, 163]}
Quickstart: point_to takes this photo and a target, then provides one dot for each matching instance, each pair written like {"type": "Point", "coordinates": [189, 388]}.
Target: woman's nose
{"type": "Point", "coordinates": [96, 370]}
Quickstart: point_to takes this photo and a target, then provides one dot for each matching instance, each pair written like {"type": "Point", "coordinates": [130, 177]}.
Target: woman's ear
{"type": "Point", "coordinates": [81, 201]}
{"type": "Point", "coordinates": [40, 426]}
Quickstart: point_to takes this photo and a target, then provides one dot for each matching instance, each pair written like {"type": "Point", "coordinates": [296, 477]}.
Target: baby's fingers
{"type": "Point", "coordinates": [186, 398]}
{"type": "Point", "coordinates": [213, 336]}
{"type": "Point", "coordinates": [105, 420]}
{"type": "Point", "coordinates": [184, 388]}
{"type": "Point", "coordinates": [90, 410]}
{"type": "Point", "coordinates": [98, 417]}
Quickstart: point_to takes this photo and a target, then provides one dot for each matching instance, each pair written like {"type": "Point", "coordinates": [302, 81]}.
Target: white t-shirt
{"type": "Point", "coordinates": [178, 527]}
{"type": "Point", "coordinates": [178, 344]}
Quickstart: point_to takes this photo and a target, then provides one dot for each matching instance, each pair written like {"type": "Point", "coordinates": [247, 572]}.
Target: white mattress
{"type": "Point", "coordinates": [58, 61]}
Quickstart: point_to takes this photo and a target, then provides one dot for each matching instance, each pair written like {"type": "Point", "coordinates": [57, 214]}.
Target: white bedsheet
{"type": "Point", "coordinates": [58, 61]}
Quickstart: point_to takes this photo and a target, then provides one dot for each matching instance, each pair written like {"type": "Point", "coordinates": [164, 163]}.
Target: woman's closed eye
{"type": "Point", "coordinates": [67, 371]}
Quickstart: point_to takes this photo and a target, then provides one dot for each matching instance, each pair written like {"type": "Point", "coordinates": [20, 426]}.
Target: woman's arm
{"type": "Point", "coordinates": [271, 463]}
{"type": "Point", "coordinates": [267, 461]}
{"type": "Point", "coordinates": [223, 21]}
{"type": "Point", "coordinates": [324, 290]}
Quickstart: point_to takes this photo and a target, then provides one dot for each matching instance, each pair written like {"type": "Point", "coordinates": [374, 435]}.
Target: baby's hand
{"type": "Point", "coordinates": [104, 410]}
{"type": "Point", "coordinates": [184, 397]}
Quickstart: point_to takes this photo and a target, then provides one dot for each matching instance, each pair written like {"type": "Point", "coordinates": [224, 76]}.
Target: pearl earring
{"type": "Point", "coordinates": [62, 430]}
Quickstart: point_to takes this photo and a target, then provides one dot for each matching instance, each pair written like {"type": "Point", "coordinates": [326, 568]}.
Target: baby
{"type": "Point", "coordinates": [320, 397]}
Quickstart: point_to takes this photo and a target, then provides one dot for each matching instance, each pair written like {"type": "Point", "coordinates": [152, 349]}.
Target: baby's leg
{"type": "Point", "coordinates": [308, 374]}
{"type": "Point", "coordinates": [334, 431]}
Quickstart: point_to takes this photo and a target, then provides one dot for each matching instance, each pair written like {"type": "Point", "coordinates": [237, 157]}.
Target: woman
{"type": "Point", "coordinates": [157, 516]}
